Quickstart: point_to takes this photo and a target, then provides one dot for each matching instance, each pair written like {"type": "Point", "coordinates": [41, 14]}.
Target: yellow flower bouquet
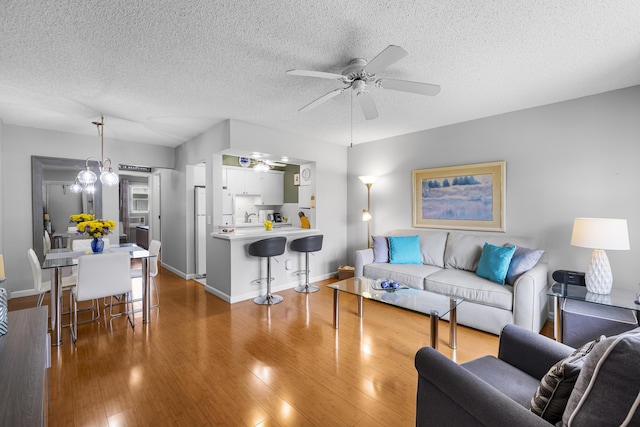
{"type": "Point", "coordinates": [268, 225]}
{"type": "Point", "coordinates": [96, 227]}
{"type": "Point", "coordinates": [81, 217]}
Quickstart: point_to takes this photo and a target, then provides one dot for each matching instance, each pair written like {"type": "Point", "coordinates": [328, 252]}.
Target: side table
{"type": "Point", "coordinates": [617, 299]}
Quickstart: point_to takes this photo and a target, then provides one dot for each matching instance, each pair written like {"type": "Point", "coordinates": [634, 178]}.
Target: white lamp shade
{"type": "Point", "coordinates": [367, 179]}
{"type": "Point", "coordinates": [600, 233]}
{"type": "Point", "coordinates": [366, 215]}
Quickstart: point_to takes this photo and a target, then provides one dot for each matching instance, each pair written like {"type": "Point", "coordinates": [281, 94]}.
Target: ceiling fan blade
{"type": "Point", "coordinates": [324, 98]}
{"type": "Point", "coordinates": [368, 106]}
{"type": "Point", "coordinates": [407, 86]}
{"type": "Point", "coordinates": [319, 74]}
{"type": "Point", "coordinates": [390, 55]}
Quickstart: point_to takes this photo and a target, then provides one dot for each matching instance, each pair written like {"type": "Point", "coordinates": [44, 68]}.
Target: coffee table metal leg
{"type": "Point", "coordinates": [453, 324]}
{"type": "Point", "coordinates": [360, 302]}
{"type": "Point", "coordinates": [336, 302]}
{"type": "Point", "coordinates": [433, 321]}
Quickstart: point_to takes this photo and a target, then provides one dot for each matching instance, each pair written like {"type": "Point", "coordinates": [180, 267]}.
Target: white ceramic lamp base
{"type": "Point", "coordinates": [599, 278]}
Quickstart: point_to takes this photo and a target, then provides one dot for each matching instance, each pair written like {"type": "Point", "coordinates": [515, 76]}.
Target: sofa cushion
{"type": "Point", "coordinates": [494, 262]}
{"type": "Point", "coordinates": [404, 250]}
{"type": "Point", "coordinates": [432, 244]}
{"type": "Point", "coordinates": [380, 249]}
{"type": "Point", "coordinates": [468, 285]}
{"type": "Point", "coordinates": [551, 398]}
{"type": "Point", "coordinates": [463, 251]}
{"type": "Point", "coordinates": [411, 275]}
{"type": "Point", "coordinates": [608, 388]}
{"type": "Point", "coordinates": [523, 260]}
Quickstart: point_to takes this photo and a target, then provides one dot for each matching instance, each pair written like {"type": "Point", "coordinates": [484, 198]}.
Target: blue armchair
{"type": "Point", "coordinates": [497, 392]}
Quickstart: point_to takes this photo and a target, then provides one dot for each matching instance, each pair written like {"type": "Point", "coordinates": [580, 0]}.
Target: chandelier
{"type": "Point", "coordinates": [87, 177]}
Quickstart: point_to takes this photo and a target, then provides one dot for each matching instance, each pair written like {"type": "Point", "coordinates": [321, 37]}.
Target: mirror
{"type": "Point", "coordinates": [50, 194]}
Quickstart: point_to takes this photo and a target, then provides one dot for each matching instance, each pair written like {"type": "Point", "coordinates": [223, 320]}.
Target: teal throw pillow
{"type": "Point", "coordinates": [494, 262]}
{"type": "Point", "coordinates": [404, 250]}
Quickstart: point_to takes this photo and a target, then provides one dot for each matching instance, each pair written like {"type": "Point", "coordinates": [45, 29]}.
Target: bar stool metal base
{"type": "Point", "coordinates": [307, 288]}
{"type": "Point", "coordinates": [268, 299]}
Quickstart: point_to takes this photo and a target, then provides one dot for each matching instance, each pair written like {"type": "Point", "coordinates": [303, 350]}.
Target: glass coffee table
{"type": "Point", "coordinates": [436, 306]}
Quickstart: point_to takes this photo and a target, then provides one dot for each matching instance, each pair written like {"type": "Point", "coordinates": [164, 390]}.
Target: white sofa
{"type": "Point", "coordinates": [449, 263]}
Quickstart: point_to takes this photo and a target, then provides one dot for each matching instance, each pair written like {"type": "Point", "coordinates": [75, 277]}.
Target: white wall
{"type": "Point", "coordinates": [20, 143]}
{"type": "Point", "coordinates": [566, 160]}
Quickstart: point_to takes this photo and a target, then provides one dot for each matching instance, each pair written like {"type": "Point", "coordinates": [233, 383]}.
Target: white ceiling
{"type": "Point", "coordinates": [163, 71]}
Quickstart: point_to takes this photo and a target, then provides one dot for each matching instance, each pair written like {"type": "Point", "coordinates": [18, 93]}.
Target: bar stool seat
{"type": "Point", "coordinates": [307, 244]}
{"type": "Point", "coordinates": [268, 248]}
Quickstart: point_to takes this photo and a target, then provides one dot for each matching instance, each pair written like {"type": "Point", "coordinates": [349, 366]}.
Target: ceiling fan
{"type": "Point", "coordinates": [360, 74]}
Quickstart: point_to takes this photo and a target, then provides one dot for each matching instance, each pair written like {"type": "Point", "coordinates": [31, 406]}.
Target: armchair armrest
{"type": "Point", "coordinates": [363, 257]}
{"type": "Point", "coordinates": [530, 352]}
{"type": "Point", "coordinates": [449, 395]}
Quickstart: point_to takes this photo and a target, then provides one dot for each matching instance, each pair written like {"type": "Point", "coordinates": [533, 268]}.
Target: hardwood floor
{"type": "Point", "coordinates": [204, 362]}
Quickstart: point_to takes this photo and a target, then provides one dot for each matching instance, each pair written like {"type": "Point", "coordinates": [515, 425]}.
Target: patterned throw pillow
{"type": "Point", "coordinates": [556, 386]}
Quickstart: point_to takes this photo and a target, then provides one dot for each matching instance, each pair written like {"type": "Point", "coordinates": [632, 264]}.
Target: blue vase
{"type": "Point", "coordinates": [97, 245]}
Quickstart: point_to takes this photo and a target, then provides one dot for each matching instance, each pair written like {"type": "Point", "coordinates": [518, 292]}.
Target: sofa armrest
{"type": "Point", "coordinates": [449, 395]}
{"type": "Point", "coordinates": [529, 298]}
{"type": "Point", "coordinates": [363, 257]}
{"type": "Point", "coordinates": [530, 352]}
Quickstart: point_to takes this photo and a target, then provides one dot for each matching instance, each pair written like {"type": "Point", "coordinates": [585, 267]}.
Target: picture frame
{"type": "Point", "coordinates": [465, 197]}
{"type": "Point", "coordinates": [296, 179]}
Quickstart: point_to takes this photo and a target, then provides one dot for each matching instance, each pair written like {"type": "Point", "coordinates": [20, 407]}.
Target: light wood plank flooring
{"type": "Point", "coordinates": [204, 362]}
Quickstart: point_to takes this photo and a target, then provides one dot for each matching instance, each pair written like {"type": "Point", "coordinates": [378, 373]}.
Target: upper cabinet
{"type": "Point", "coordinates": [268, 185]}
{"type": "Point", "coordinates": [272, 184]}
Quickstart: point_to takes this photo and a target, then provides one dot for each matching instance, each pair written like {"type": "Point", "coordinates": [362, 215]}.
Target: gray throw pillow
{"type": "Point", "coordinates": [523, 260]}
{"type": "Point", "coordinates": [380, 249]}
{"type": "Point", "coordinates": [607, 391]}
{"type": "Point", "coordinates": [550, 400]}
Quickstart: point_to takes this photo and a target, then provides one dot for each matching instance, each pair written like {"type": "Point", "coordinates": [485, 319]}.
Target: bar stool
{"type": "Point", "coordinates": [267, 248]}
{"type": "Point", "coordinates": [306, 245]}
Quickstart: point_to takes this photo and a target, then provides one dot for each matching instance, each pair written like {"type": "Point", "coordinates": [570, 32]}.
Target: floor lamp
{"type": "Point", "coordinates": [366, 213]}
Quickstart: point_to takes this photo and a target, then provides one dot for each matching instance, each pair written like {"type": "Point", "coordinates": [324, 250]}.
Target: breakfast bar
{"type": "Point", "coordinates": [236, 273]}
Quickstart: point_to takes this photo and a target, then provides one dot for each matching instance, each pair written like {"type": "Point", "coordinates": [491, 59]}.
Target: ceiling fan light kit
{"type": "Point", "coordinates": [359, 75]}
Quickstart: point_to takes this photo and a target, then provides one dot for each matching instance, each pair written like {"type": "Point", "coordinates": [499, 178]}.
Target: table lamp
{"type": "Point", "coordinates": [600, 234]}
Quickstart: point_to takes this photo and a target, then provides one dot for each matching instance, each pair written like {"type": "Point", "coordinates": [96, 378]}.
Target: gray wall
{"type": "Point", "coordinates": [572, 159]}
{"type": "Point", "coordinates": [20, 143]}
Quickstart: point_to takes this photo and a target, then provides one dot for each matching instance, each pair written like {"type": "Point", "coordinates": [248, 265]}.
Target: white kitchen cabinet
{"type": "Point", "coordinates": [268, 185]}
{"type": "Point", "coordinates": [272, 184]}
{"type": "Point", "coordinates": [243, 181]}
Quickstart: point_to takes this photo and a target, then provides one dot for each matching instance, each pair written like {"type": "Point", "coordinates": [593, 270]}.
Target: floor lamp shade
{"type": "Point", "coordinates": [600, 234]}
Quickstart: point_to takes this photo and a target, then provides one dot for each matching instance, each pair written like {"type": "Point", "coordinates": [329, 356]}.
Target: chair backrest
{"type": "Point", "coordinates": [36, 270]}
{"type": "Point", "coordinates": [46, 240]}
{"type": "Point", "coordinates": [102, 275]}
{"type": "Point", "coordinates": [307, 244]}
{"type": "Point", "coordinates": [154, 250]}
{"type": "Point", "coordinates": [268, 247]}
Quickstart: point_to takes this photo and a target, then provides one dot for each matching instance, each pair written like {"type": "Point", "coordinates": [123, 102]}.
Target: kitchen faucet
{"type": "Point", "coordinates": [247, 215]}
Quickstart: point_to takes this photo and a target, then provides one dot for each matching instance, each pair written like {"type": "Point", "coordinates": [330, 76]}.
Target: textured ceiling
{"type": "Point", "coordinates": [163, 71]}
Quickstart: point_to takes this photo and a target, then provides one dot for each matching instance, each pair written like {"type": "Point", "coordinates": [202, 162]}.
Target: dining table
{"type": "Point", "coordinates": [58, 259]}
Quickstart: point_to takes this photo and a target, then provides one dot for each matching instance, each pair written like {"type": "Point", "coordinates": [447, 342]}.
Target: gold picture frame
{"type": "Point", "coordinates": [466, 197]}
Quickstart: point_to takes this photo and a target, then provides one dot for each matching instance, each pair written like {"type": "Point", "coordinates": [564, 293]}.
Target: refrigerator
{"type": "Point", "coordinates": [201, 231]}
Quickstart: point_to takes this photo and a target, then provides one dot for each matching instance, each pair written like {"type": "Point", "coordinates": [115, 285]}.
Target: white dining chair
{"type": "Point", "coordinates": [154, 251]}
{"type": "Point", "coordinates": [46, 241]}
{"type": "Point", "coordinates": [100, 276]}
{"type": "Point", "coordinates": [40, 286]}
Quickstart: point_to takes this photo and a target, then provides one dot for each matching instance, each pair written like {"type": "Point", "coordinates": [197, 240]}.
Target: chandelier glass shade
{"type": "Point", "coordinates": [87, 177]}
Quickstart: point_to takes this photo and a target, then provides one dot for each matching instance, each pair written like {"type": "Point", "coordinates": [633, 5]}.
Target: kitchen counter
{"type": "Point", "coordinates": [257, 233]}
{"type": "Point", "coordinates": [234, 274]}
{"type": "Point", "coordinates": [261, 225]}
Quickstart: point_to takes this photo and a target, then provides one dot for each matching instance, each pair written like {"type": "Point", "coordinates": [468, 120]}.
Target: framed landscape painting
{"type": "Point", "coordinates": [467, 197]}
